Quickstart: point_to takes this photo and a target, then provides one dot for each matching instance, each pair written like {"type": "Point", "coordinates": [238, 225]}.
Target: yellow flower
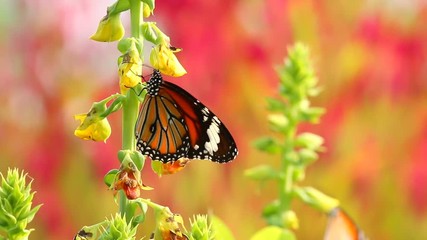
{"type": "Point", "coordinates": [162, 57]}
{"type": "Point", "coordinates": [92, 128]}
{"type": "Point", "coordinates": [147, 11]}
{"type": "Point", "coordinates": [110, 29]}
{"type": "Point", "coordinates": [130, 70]}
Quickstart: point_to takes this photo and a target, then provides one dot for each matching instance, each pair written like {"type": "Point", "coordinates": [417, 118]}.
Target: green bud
{"type": "Point", "coordinates": [312, 92]}
{"type": "Point", "coordinates": [275, 105]}
{"type": "Point", "coordinates": [298, 173]}
{"type": "Point", "coordinates": [261, 173]}
{"type": "Point", "coordinates": [316, 199]}
{"type": "Point", "coordinates": [309, 140]}
{"type": "Point", "coordinates": [272, 215]}
{"type": "Point", "coordinates": [200, 228]}
{"type": "Point", "coordinates": [268, 145]}
{"type": "Point", "coordinates": [307, 156]}
{"type": "Point", "coordinates": [312, 114]}
{"type": "Point", "coordinates": [118, 229]}
{"type": "Point", "coordinates": [149, 32]}
{"type": "Point", "coordinates": [291, 157]}
{"type": "Point", "coordinates": [290, 220]}
{"type": "Point", "coordinates": [278, 122]}
{"type": "Point", "coordinates": [124, 45]}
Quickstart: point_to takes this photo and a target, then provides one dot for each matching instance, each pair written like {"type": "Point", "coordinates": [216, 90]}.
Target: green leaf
{"type": "Point", "coordinates": [139, 218]}
{"type": "Point", "coordinates": [271, 213]}
{"type": "Point", "coordinates": [273, 233]}
{"type": "Point", "coordinates": [221, 230]}
{"type": "Point", "coordinates": [110, 177]}
{"type": "Point", "coordinates": [122, 154]}
{"type": "Point", "coordinates": [261, 173]}
{"type": "Point", "coordinates": [268, 145]}
{"type": "Point", "coordinates": [275, 105]}
{"type": "Point", "coordinates": [138, 159]}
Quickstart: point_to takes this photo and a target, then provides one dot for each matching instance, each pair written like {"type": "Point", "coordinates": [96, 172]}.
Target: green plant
{"type": "Point", "coordinates": [126, 180]}
{"type": "Point", "coordinates": [16, 211]}
{"type": "Point", "coordinates": [295, 150]}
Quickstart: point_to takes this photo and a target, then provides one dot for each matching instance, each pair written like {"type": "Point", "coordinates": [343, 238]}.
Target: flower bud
{"type": "Point", "coordinates": [278, 122]}
{"type": "Point", "coordinates": [317, 199]}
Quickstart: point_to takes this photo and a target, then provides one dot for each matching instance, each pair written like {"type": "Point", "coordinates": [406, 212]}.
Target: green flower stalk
{"type": "Point", "coordinates": [296, 151]}
{"type": "Point", "coordinates": [16, 205]}
{"type": "Point", "coordinates": [126, 180]}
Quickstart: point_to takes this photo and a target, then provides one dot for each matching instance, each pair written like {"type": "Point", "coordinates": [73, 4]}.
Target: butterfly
{"type": "Point", "coordinates": [341, 226]}
{"type": "Point", "coordinates": [172, 124]}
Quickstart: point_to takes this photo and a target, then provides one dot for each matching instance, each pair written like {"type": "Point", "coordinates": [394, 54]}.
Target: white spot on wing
{"type": "Point", "coordinates": [213, 133]}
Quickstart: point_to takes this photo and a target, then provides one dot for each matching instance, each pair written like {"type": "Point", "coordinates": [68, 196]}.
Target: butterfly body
{"type": "Point", "coordinates": [172, 124]}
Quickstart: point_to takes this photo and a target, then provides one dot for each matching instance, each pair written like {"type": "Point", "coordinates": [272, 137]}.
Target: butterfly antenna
{"type": "Point", "coordinates": [135, 90]}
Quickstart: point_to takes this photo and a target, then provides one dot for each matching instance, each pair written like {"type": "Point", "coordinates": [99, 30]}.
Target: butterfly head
{"type": "Point", "coordinates": [153, 85]}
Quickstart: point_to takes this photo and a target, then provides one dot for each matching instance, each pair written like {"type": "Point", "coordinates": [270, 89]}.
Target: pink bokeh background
{"type": "Point", "coordinates": [371, 59]}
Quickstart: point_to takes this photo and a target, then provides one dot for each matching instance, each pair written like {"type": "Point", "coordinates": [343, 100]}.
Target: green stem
{"type": "Point", "coordinates": [136, 19]}
{"type": "Point", "coordinates": [287, 168]}
{"type": "Point", "coordinates": [154, 206]}
{"type": "Point", "coordinates": [131, 104]}
{"type": "Point", "coordinates": [130, 114]}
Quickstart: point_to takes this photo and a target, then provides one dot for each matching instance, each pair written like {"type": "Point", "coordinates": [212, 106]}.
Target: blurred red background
{"type": "Point", "coordinates": [370, 57]}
